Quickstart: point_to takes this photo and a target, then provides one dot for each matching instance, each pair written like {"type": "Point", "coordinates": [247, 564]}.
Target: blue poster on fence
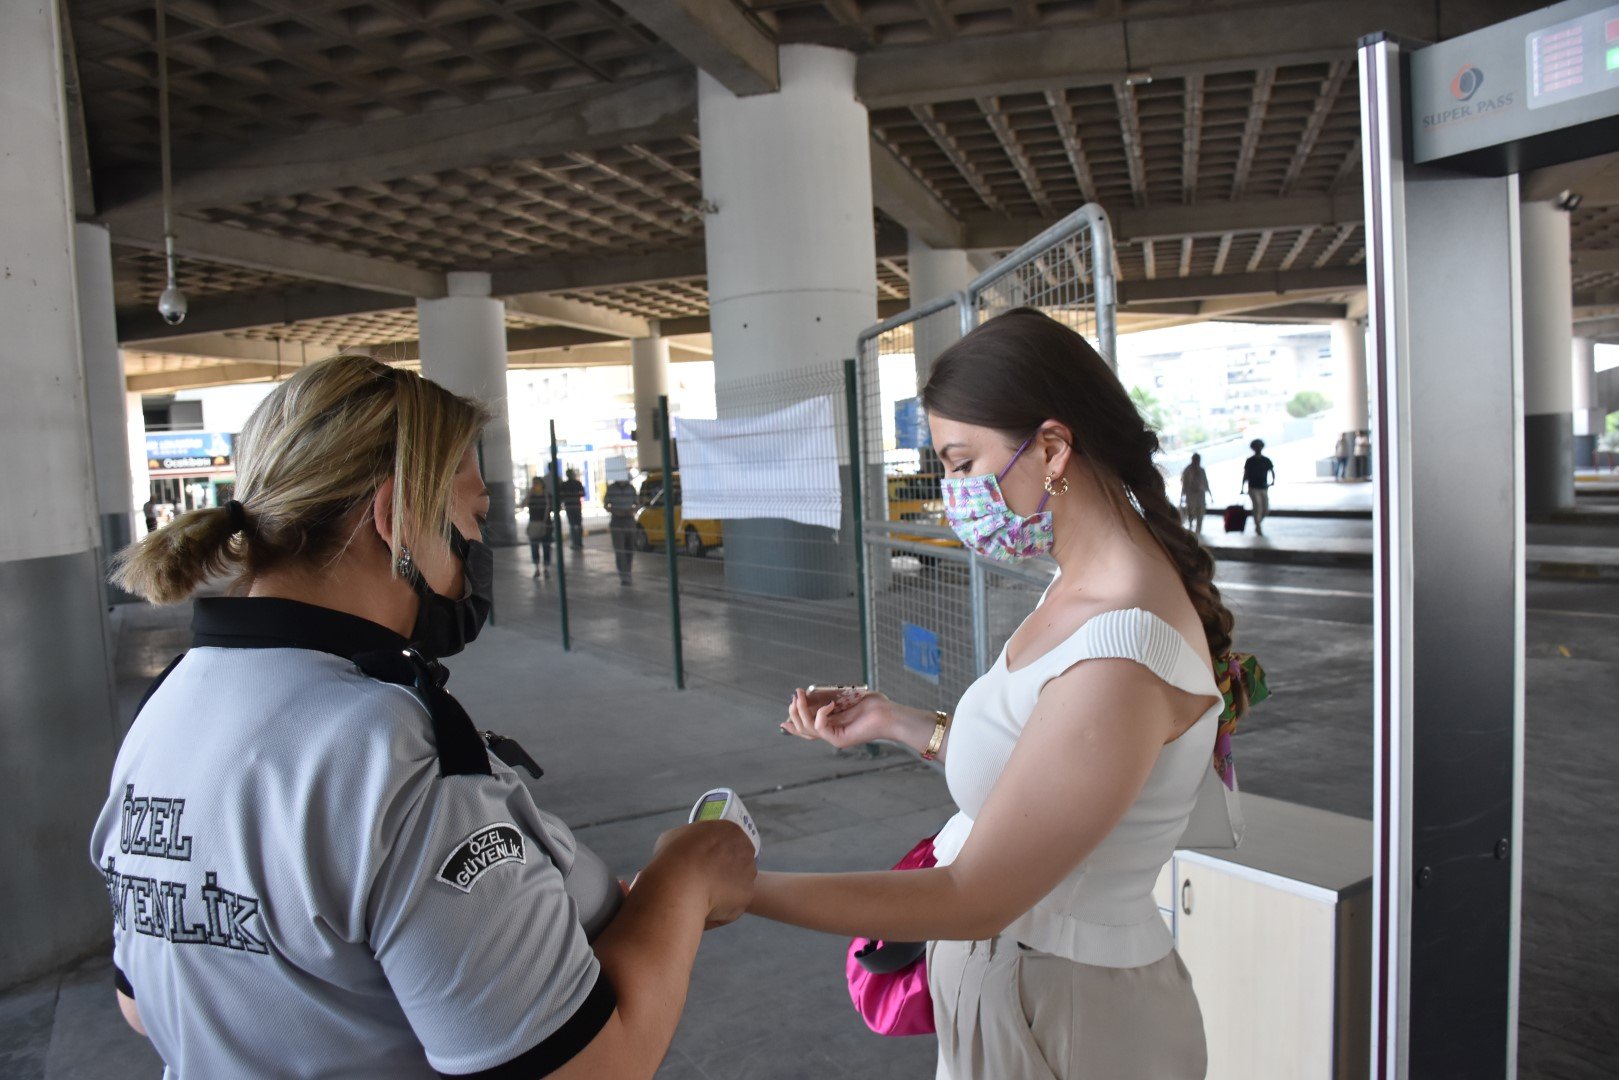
{"type": "Point", "coordinates": [911, 425]}
{"type": "Point", "coordinates": [921, 651]}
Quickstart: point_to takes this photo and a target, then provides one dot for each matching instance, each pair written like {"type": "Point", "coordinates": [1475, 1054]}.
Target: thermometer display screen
{"type": "Point", "coordinates": [713, 809]}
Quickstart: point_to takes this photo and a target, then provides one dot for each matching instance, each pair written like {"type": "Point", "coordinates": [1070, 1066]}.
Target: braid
{"type": "Point", "coordinates": [1146, 485]}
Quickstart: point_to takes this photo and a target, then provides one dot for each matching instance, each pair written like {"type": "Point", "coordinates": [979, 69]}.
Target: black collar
{"type": "Point", "coordinates": [267, 622]}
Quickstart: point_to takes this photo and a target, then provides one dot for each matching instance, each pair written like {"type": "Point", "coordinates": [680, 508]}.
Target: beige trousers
{"type": "Point", "coordinates": [1008, 1013]}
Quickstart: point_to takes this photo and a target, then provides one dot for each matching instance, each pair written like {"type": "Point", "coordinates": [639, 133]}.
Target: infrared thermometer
{"type": "Point", "coordinates": [724, 804]}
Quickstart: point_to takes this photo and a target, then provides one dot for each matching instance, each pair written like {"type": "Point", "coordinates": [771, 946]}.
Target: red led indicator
{"type": "Point", "coordinates": [1613, 29]}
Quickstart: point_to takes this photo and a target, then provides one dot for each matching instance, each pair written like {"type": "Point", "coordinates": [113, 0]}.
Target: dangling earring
{"type": "Point", "coordinates": [405, 563]}
{"type": "Point", "coordinates": [1051, 489]}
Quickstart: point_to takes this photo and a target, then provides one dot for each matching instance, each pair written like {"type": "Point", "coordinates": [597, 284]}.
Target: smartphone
{"type": "Point", "coordinates": [844, 696]}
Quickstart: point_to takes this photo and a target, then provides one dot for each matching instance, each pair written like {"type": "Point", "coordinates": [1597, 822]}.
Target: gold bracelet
{"type": "Point", "coordinates": [941, 724]}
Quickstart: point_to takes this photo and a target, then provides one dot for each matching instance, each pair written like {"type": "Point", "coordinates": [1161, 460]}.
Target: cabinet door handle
{"type": "Point", "coordinates": [1186, 897]}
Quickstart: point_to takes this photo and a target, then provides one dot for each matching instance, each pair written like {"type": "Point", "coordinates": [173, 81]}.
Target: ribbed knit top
{"type": "Point", "coordinates": [1103, 912]}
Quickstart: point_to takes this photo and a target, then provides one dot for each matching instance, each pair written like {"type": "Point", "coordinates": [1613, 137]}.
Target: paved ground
{"type": "Point", "coordinates": [625, 756]}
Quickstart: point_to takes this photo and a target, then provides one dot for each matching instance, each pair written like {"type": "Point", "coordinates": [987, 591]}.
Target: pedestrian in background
{"type": "Point", "coordinates": [1346, 445]}
{"type": "Point", "coordinates": [1258, 473]}
{"type": "Point", "coordinates": [1195, 491]}
{"type": "Point", "coordinates": [572, 494]}
{"type": "Point", "coordinates": [621, 503]}
{"type": "Point", "coordinates": [539, 526]}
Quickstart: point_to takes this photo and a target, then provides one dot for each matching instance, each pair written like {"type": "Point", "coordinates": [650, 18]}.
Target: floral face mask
{"type": "Point", "coordinates": [978, 512]}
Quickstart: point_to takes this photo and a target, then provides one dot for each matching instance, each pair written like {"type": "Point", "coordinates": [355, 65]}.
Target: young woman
{"type": "Point", "coordinates": [316, 865]}
{"type": "Point", "coordinates": [1076, 760]}
{"type": "Point", "coordinates": [1195, 492]}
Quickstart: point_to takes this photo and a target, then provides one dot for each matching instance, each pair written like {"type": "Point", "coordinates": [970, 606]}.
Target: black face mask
{"type": "Point", "coordinates": [444, 626]}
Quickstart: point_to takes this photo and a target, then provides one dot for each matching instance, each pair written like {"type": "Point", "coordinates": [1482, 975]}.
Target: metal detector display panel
{"type": "Point", "coordinates": [1574, 58]}
{"type": "Point", "coordinates": [1521, 94]}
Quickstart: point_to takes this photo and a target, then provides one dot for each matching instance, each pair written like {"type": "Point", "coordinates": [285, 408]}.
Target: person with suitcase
{"type": "Point", "coordinates": [1258, 473]}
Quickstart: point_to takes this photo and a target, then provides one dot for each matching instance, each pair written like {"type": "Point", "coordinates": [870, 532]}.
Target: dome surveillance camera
{"type": "Point", "coordinates": [172, 305]}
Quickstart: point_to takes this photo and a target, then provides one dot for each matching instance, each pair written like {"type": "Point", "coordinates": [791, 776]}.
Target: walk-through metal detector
{"type": "Point", "coordinates": [1446, 129]}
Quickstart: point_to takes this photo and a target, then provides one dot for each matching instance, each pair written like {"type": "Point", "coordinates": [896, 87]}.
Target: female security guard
{"type": "Point", "coordinates": [315, 865]}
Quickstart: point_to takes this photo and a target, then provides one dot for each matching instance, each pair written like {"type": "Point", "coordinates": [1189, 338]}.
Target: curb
{"type": "Point", "coordinates": [1324, 514]}
{"type": "Point", "coordinates": [1541, 567]}
{"type": "Point", "coordinates": [1291, 557]}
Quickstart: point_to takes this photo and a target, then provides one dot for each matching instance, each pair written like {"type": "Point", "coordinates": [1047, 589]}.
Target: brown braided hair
{"type": "Point", "coordinates": [1019, 370]}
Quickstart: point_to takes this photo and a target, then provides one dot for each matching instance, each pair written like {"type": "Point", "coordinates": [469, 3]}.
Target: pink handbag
{"type": "Point", "coordinates": [888, 980]}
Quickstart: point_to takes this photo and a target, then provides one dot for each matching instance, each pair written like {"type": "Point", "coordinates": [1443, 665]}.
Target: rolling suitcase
{"type": "Point", "coordinates": [1236, 518]}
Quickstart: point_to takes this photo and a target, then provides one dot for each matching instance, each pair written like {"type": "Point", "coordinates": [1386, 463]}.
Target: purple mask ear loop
{"type": "Point", "coordinates": [1000, 475]}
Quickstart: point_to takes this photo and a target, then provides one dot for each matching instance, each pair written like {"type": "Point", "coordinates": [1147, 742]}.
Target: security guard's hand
{"type": "Point", "coordinates": [720, 855]}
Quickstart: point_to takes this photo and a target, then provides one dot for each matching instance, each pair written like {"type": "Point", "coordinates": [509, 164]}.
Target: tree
{"type": "Point", "coordinates": [1150, 408]}
{"type": "Point", "coordinates": [1308, 403]}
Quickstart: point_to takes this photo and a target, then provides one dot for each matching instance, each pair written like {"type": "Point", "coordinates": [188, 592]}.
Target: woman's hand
{"type": "Point", "coordinates": [829, 715]}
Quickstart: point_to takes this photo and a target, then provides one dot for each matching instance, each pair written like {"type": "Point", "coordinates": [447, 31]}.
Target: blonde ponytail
{"type": "Point", "coordinates": [174, 561]}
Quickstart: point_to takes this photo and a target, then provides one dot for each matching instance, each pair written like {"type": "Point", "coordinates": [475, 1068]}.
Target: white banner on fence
{"type": "Point", "coordinates": [781, 464]}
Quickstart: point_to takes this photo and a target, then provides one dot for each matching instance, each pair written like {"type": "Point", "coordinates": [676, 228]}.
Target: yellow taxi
{"type": "Point", "coordinates": [915, 497]}
{"type": "Point", "coordinates": [697, 537]}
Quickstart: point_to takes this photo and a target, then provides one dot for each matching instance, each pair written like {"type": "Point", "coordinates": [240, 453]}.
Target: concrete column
{"type": "Point", "coordinates": [463, 343]}
{"type": "Point", "coordinates": [649, 374]}
{"type": "Point", "coordinates": [935, 272]}
{"type": "Point", "coordinates": [791, 274]}
{"type": "Point", "coordinates": [1349, 355]}
{"type": "Point", "coordinates": [1353, 393]}
{"type": "Point", "coordinates": [1548, 384]}
{"type": "Point", "coordinates": [57, 719]}
{"type": "Point", "coordinates": [1588, 419]}
{"type": "Point", "coordinates": [104, 387]}
{"type": "Point", "coordinates": [140, 477]}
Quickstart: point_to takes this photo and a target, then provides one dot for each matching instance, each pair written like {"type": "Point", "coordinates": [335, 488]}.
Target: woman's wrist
{"type": "Point", "coordinates": [913, 727]}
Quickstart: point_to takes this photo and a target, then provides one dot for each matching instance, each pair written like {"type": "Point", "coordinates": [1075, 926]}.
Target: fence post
{"type": "Point", "coordinates": [556, 516]}
{"type": "Point", "coordinates": [1104, 288]}
{"type": "Point", "coordinates": [669, 538]}
{"type": "Point", "coordinates": [857, 468]}
{"type": "Point", "coordinates": [979, 589]}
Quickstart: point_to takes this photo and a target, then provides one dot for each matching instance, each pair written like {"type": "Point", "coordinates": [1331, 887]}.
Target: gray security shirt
{"type": "Point", "coordinates": [318, 873]}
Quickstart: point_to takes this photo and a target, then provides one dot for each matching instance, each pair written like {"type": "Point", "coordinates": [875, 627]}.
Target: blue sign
{"type": "Point", "coordinates": [911, 425]}
{"type": "Point", "coordinates": [175, 450]}
{"type": "Point", "coordinates": [921, 651]}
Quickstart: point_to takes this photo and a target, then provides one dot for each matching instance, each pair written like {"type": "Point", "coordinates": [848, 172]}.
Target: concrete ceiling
{"type": "Point", "coordinates": [334, 158]}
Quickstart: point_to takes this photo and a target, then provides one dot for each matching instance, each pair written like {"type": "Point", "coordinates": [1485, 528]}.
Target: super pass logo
{"type": "Point", "coordinates": [1464, 88]}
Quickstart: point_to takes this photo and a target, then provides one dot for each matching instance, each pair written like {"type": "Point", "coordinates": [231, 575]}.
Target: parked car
{"type": "Point", "coordinates": [915, 497]}
{"type": "Point", "coordinates": [697, 537]}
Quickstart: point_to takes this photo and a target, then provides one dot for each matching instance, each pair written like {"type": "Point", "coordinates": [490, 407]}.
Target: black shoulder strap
{"type": "Point", "coordinates": [461, 750]}
{"type": "Point", "coordinates": [157, 682]}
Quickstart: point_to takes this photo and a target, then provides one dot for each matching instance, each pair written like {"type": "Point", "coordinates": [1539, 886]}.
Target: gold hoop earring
{"type": "Point", "coordinates": [1051, 489]}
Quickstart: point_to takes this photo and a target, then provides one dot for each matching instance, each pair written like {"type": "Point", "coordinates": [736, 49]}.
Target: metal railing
{"type": "Point", "coordinates": [1067, 272]}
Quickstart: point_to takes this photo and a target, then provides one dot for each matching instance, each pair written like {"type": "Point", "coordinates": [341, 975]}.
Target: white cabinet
{"type": "Point", "coordinates": [1277, 936]}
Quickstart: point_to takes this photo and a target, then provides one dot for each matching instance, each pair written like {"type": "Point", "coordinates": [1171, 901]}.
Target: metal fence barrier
{"type": "Point", "coordinates": [937, 615]}
{"type": "Point", "coordinates": [1067, 272]}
